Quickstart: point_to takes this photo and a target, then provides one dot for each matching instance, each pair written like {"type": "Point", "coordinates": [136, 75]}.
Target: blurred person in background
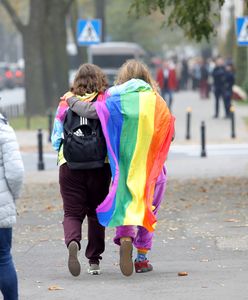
{"type": "Point", "coordinates": [196, 74]}
{"type": "Point", "coordinates": [211, 65]}
{"type": "Point", "coordinates": [218, 83]}
{"type": "Point", "coordinates": [204, 74]}
{"type": "Point", "coordinates": [167, 81]}
{"type": "Point", "coordinates": [229, 80]}
{"type": "Point", "coordinates": [11, 179]}
{"type": "Point", "coordinates": [184, 75]}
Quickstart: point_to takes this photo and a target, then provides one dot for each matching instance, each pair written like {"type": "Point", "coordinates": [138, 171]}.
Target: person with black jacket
{"type": "Point", "coordinates": [229, 80]}
{"type": "Point", "coordinates": [218, 83]}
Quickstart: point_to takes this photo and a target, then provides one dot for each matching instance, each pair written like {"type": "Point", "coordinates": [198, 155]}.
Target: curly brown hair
{"type": "Point", "coordinates": [89, 78]}
{"type": "Point", "coordinates": [135, 69]}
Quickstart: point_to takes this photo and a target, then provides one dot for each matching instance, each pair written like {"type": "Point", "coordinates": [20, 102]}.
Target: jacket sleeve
{"type": "Point", "coordinates": [83, 109]}
{"type": "Point", "coordinates": [12, 161]}
{"type": "Point", "coordinates": [57, 132]}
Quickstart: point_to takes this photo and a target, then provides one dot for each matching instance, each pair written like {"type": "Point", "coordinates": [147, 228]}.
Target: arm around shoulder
{"type": "Point", "coordinates": [83, 109]}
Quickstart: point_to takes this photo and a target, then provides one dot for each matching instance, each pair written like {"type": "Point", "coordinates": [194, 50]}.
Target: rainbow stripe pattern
{"type": "Point", "coordinates": [138, 128]}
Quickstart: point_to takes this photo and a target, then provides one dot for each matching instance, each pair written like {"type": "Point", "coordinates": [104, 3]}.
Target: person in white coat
{"type": "Point", "coordinates": [11, 180]}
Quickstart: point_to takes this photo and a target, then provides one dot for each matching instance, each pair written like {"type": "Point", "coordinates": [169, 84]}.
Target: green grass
{"type": "Point", "coordinates": [36, 122]}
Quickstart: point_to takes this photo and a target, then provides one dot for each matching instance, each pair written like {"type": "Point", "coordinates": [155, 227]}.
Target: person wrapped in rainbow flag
{"type": "Point", "coordinates": [138, 129]}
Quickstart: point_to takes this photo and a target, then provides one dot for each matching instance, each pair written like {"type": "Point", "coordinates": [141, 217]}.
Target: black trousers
{"type": "Point", "coordinates": [218, 95]}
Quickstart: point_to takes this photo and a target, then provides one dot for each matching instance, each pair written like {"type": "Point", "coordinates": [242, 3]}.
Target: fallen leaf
{"type": "Point", "coordinates": [55, 288]}
{"type": "Point", "coordinates": [202, 189]}
{"type": "Point", "coordinates": [182, 273]}
{"type": "Point", "coordinates": [173, 228]}
{"type": "Point", "coordinates": [232, 220]}
{"type": "Point", "coordinates": [51, 208]}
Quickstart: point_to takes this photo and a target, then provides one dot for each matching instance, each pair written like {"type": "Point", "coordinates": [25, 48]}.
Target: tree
{"type": "Point", "coordinates": [230, 41]}
{"type": "Point", "coordinates": [138, 30]}
{"type": "Point", "coordinates": [196, 18]}
{"type": "Point", "coordinates": [10, 39]}
{"type": "Point", "coordinates": [44, 51]}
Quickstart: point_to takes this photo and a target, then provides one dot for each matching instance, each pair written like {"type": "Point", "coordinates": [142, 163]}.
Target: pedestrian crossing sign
{"type": "Point", "coordinates": [88, 32]}
{"type": "Point", "coordinates": [242, 31]}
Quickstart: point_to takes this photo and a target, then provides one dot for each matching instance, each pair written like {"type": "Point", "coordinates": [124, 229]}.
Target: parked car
{"type": "Point", "coordinates": [19, 77]}
{"type": "Point", "coordinates": [1, 79]}
{"type": "Point", "coordinates": [7, 76]}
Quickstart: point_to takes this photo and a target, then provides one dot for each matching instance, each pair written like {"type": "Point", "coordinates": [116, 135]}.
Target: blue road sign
{"type": "Point", "coordinates": [88, 32]}
{"type": "Point", "coordinates": [242, 31]}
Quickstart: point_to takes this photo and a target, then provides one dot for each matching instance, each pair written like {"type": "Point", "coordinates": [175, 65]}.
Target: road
{"type": "Point", "coordinates": [184, 161]}
{"type": "Point", "coordinates": [12, 97]}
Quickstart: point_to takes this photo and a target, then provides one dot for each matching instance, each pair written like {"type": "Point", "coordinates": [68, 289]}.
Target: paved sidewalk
{"type": "Point", "coordinates": [217, 130]}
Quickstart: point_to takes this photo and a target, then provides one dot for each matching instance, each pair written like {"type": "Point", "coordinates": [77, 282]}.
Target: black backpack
{"type": "Point", "coordinates": [84, 145]}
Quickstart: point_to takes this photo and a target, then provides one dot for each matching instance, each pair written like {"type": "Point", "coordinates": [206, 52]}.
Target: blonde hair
{"type": "Point", "coordinates": [135, 69]}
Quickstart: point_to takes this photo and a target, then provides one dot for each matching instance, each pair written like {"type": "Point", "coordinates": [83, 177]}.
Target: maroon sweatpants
{"type": "Point", "coordinates": [82, 191]}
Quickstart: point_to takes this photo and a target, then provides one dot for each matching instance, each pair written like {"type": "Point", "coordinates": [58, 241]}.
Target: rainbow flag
{"type": "Point", "coordinates": [138, 128]}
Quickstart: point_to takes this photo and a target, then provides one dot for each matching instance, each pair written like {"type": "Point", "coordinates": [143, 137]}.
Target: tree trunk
{"type": "Point", "coordinates": [56, 66]}
{"type": "Point", "coordinates": [44, 51]}
{"type": "Point", "coordinates": [61, 61]}
{"type": "Point", "coordinates": [100, 14]}
{"type": "Point", "coordinates": [81, 50]}
{"type": "Point", "coordinates": [32, 45]}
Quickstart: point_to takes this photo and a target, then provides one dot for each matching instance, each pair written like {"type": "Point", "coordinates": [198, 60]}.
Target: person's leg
{"type": "Point", "coordinates": [205, 89]}
{"type": "Point", "coordinates": [201, 89]}
{"type": "Point", "coordinates": [124, 237]}
{"type": "Point", "coordinates": [73, 192]}
{"type": "Point", "coordinates": [123, 232]}
{"type": "Point", "coordinates": [143, 239]}
{"type": "Point", "coordinates": [96, 236]}
{"type": "Point", "coordinates": [8, 276]}
{"type": "Point", "coordinates": [227, 104]}
{"type": "Point", "coordinates": [170, 96]}
{"type": "Point", "coordinates": [165, 94]}
{"type": "Point", "coordinates": [217, 98]}
{"type": "Point", "coordinates": [98, 181]}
